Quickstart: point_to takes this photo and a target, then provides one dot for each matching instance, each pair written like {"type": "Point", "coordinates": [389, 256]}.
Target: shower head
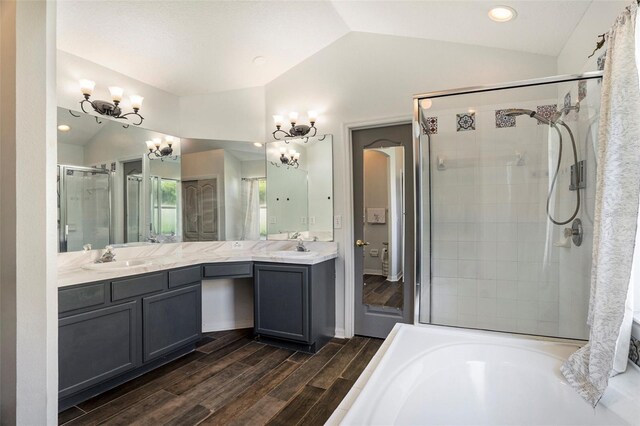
{"type": "Point", "coordinates": [512, 112]}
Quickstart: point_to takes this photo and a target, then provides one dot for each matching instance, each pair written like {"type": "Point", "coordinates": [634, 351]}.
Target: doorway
{"type": "Point", "coordinates": [383, 228]}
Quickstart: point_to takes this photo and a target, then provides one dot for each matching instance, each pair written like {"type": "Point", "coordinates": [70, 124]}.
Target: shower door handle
{"type": "Point", "coordinates": [361, 243]}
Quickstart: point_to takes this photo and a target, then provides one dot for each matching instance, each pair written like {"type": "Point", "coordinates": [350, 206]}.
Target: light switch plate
{"type": "Point", "coordinates": [303, 220]}
{"type": "Point", "coordinates": [337, 221]}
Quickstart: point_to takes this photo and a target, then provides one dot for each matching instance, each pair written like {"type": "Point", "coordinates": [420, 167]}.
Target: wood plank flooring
{"type": "Point", "coordinates": [378, 291]}
{"type": "Point", "coordinates": [232, 380]}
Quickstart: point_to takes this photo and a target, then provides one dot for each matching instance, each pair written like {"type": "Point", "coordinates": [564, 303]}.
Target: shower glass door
{"type": "Point", "coordinates": [84, 207]}
{"type": "Point", "coordinates": [502, 195]}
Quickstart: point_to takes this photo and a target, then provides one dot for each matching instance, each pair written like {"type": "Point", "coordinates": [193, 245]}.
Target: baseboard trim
{"type": "Point", "coordinates": [340, 334]}
{"type": "Point", "coordinates": [373, 272]}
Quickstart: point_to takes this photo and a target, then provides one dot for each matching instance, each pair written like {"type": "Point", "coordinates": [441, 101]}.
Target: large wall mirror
{"type": "Point", "coordinates": [300, 190]}
{"type": "Point", "coordinates": [111, 190]}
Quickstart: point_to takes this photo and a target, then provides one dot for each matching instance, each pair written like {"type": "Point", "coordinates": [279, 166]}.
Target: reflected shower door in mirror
{"type": "Point", "coordinates": [124, 159]}
{"type": "Point", "coordinates": [84, 207]}
{"type": "Point", "coordinates": [299, 198]}
{"type": "Point", "coordinates": [146, 191]}
{"type": "Point", "coordinates": [381, 161]}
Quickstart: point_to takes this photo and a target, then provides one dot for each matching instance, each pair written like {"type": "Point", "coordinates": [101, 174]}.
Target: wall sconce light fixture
{"type": "Point", "coordinates": [110, 109]}
{"type": "Point", "coordinates": [290, 160]}
{"type": "Point", "coordinates": [159, 149]}
{"type": "Point", "coordinates": [297, 130]}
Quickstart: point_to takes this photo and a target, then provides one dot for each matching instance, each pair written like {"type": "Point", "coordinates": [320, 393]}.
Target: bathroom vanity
{"type": "Point", "coordinates": [119, 323]}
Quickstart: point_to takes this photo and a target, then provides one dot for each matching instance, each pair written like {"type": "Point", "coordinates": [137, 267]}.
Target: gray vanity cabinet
{"type": "Point", "coordinates": [295, 304]}
{"type": "Point", "coordinates": [112, 331]}
{"type": "Point", "coordinates": [282, 301]}
{"type": "Point", "coordinates": [97, 345]}
{"type": "Point", "coordinates": [171, 320]}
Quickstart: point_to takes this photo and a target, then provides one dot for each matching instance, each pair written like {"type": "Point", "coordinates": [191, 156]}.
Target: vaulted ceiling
{"type": "Point", "coordinates": [194, 47]}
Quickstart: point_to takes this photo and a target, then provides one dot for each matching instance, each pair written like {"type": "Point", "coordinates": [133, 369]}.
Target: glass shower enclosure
{"type": "Point", "coordinates": [506, 189]}
{"type": "Point", "coordinates": [84, 207]}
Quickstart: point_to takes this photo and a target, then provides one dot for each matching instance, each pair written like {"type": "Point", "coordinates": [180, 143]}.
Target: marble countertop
{"type": "Point", "coordinates": [72, 266]}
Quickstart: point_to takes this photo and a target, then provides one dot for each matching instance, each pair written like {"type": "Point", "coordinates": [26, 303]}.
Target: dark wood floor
{"type": "Point", "coordinates": [378, 291]}
{"type": "Point", "coordinates": [231, 379]}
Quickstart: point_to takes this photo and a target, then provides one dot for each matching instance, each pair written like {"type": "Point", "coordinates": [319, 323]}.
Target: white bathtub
{"type": "Point", "coordinates": [440, 375]}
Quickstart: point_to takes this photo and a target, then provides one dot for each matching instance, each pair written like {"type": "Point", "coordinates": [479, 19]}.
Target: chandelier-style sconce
{"type": "Point", "coordinates": [290, 160]}
{"type": "Point", "coordinates": [161, 149]}
{"type": "Point", "coordinates": [110, 109]}
{"type": "Point", "coordinates": [297, 130]}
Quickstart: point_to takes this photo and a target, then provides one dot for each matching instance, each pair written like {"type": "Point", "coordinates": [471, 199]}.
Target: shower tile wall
{"type": "Point", "coordinates": [495, 263]}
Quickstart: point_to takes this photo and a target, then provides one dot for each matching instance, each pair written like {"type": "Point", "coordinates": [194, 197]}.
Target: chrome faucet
{"type": "Point", "coordinates": [300, 246]}
{"type": "Point", "coordinates": [107, 256]}
{"type": "Point", "coordinates": [295, 235]}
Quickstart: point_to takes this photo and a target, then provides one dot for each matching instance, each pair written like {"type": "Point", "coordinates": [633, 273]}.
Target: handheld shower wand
{"type": "Point", "coordinates": [554, 122]}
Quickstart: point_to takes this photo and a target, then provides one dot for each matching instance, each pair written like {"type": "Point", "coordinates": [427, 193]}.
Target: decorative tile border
{"type": "Point", "coordinates": [634, 351]}
{"type": "Point", "coordinates": [466, 121]}
{"type": "Point", "coordinates": [546, 111]}
{"type": "Point", "coordinates": [431, 125]}
{"type": "Point", "coordinates": [503, 121]}
{"type": "Point", "coordinates": [582, 90]}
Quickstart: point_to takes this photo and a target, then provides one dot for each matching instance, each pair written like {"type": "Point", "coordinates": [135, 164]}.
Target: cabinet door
{"type": "Point", "coordinates": [282, 301]}
{"type": "Point", "coordinates": [97, 345]}
{"type": "Point", "coordinates": [171, 320]}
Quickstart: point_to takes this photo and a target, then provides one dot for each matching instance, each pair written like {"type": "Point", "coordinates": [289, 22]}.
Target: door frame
{"type": "Point", "coordinates": [348, 225]}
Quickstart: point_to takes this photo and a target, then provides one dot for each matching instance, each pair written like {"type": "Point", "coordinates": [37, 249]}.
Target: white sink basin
{"type": "Point", "coordinates": [116, 265]}
{"type": "Point", "coordinates": [291, 253]}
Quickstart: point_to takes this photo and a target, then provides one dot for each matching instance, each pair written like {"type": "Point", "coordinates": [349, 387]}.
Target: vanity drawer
{"type": "Point", "coordinates": [73, 298]}
{"type": "Point", "coordinates": [132, 287]}
{"type": "Point", "coordinates": [185, 276]}
{"type": "Point", "coordinates": [228, 270]}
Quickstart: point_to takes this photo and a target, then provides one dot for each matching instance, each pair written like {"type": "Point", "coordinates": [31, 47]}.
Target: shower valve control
{"type": "Point", "coordinates": [575, 232]}
{"type": "Point", "coordinates": [578, 176]}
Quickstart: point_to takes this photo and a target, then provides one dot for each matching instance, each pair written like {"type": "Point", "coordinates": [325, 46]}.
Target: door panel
{"type": "Point", "coordinates": [208, 210]}
{"type": "Point", "coordinates": [190, 210]}
{"type": "Point", "coordinates": [383, 228]}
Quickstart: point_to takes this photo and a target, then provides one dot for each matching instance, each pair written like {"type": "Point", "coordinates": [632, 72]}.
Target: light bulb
{"type": "Point", "coordinates": [116, 93]}
{"type": "Point", "coordinates": [87, 86]}
{"type": "Point", "coordinates": [136, 101]}
{"type": "Point", "coordinates": [292, 152]}
{"type": "Point", "coordinates": [313, 116]}
{"type": "Point", "coordinates": [157, 142]}
{"type": "Point", "coordinates": [64, 127]}
{"type": "Point", "coordinates": [257, 144]}
{"type": "Point", "coordinates": [169, 140]}
{"type": "Point", "coordinates": [293, 117]}
{"type": "Point", "coordinates": [278, 120]}
{"type": "Point", "coordinates": [296, 155]}
{"type": "Point", "coordinates": [502, 14]}
{"type": "Point", "coordinates": [426, 103]}
{"type": "Point", "coordinates": [150, 145]}
{"type": "Point", "coordinates": [283, 150]}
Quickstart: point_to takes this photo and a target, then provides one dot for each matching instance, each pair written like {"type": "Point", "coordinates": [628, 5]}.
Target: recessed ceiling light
{"type": "Point", "coordinates": [258, 144]}
{"type": "Point", "coordinates": [502, 14]}
{"type": "Point", "coordinates": [64, 128]}
{"type": "Point", "coordinates": [426, 103]}
{"type": "Point", "coordinates": [259, 60]}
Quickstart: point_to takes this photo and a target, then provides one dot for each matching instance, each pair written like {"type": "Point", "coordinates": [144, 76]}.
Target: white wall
{"type": "Point", "coordinates": [231, 115]}
{"type": "Point", "coordinates": [70, 154]}
{"type": "Point", "coordinates": [160, 109]}
{"type": "Point", "coordinates": [29, 293]}
{"type": "Point", "coordinates": [364, 77]}
{"type": "Point", "coordinates": [597, 20]}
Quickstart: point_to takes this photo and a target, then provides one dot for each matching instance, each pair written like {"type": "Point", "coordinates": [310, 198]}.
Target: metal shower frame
{"type": "Point", "coordinates": [423, 216]}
